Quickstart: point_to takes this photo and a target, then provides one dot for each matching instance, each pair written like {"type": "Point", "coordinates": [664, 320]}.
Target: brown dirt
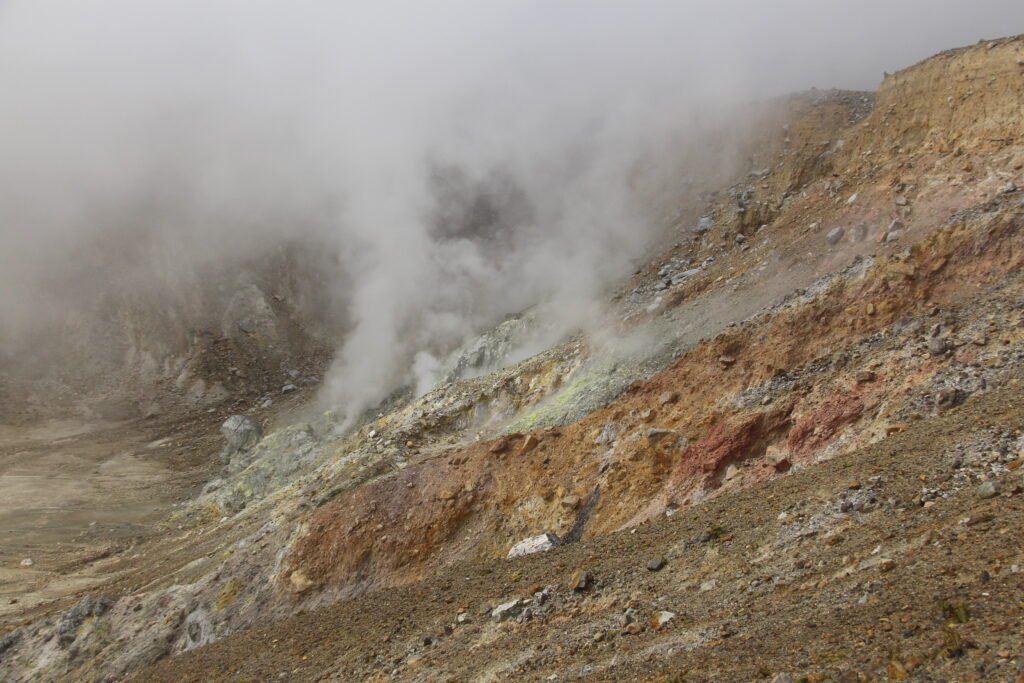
{"type": "Point", "coordinates": [815, 621]}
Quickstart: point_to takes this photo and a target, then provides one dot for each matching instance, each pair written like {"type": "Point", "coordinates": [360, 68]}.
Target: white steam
{"type": "Point", "coordinates": [464, 159]}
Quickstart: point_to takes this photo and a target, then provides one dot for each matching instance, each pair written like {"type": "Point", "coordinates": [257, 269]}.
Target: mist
{"type": "Point", "coordinates": [460, 161]}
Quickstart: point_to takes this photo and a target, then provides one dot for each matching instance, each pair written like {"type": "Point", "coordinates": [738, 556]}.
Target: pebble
{"type": "Point", "coordinates": [834, 235]}
{"type": "Point", "coordinates": [27, 562]}
{"type": "Point", "coordinates": [989, 489]}
{"type": "Point", "coordinates": [656, 564]}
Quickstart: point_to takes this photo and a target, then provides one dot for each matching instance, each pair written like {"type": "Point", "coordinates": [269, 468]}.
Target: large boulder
{"type": "Point", "coordinates": [241, 433]}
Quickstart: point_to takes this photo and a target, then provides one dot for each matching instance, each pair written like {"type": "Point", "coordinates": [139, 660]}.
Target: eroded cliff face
{"type": "Point", "coordinates": [858, 281]}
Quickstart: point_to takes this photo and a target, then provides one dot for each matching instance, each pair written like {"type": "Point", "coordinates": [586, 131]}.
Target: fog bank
{"type": "Point", "coordinates": [460, 160]}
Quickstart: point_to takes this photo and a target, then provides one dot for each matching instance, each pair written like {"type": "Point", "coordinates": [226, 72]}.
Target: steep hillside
{"type": "Point", "coordinates": [792, 451]}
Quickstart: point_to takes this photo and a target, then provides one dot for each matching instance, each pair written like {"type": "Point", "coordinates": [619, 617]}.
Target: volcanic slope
{"type": "Point", "coordinates": [799, 457]}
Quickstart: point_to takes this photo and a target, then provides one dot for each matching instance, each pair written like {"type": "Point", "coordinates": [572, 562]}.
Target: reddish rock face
{"type": "Point", "coordinates": [814, 430]}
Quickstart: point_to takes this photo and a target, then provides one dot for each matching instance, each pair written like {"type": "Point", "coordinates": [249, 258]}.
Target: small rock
{"type": "Point", "coordinates": [949, 397]}
{"type": "Point", "coordinates": [901, 200]}
{"type": "Point", "coordinates": [580, 580]}
{"type": "Point", "coordinates": [27, 562]}
{"type": "Point", "coordinates": [937, 346]}
{"type": "Point", "coordinates": [865, 377]}
{"type": "Point", "coordinates": [300, 583]}
{"type": "Point", "coordinates": [667, 397]}
{"type": "Point", "coordinates": [704, 225]}
{"type": "Point", "coordinates": [989, 489]}
{"type": "Point", "coordinates": [886, 564]}
{"type": "Point", "coordinates": [834, 235]}
{"type": "Point", "coordinates": [529, 443]}
{"type": "Point", "coordinates": [975, 520]}
{"type": "Point", "coordinates": [534, 544]}
{"type": "Point", "coordinates": [708, 585]}
{"type": "Point", "coordinates": [726, 361]}
{"type": "Point", "coordinates": [507, 610]}
{"type": "Point", "coordinates": [608, 434]}
{"type": "Point", "coordinates": [655, 436]}
{"type": "Point", "coordinates": [656, 564]}
{"type": "Point", "coordinates": [241, 432]}
{"type": "Point", "coordinates": [288, 388]}
{"type": "Point", "coordinates": [661, 619]}
{"type": "Point", "coordinates": [501, 445]}
{"type": "Point", "coordinates": [782, 678]}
